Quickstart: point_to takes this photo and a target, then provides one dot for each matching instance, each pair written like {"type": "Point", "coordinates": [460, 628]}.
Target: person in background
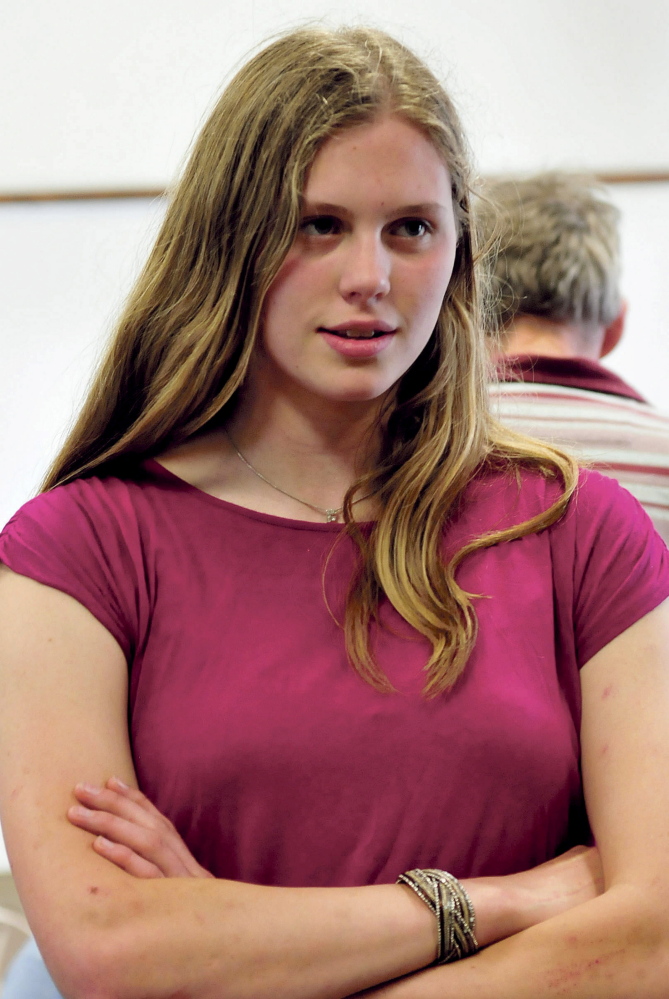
{"type": "Point", "coordinates": [556, 298]}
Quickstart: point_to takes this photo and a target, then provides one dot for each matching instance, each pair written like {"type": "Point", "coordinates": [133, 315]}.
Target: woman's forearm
{"type": "Point", "coordinates": [612, 947]}
{"type": "Point", "coordinates": [344, 936]}
{"type": "Point", "coordinates": [208, 938]}
{"type": "Point", "coordinates": [506, 905]}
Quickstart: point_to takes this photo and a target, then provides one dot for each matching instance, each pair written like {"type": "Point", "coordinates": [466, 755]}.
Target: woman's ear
{"type": "Point", "coordinates": [614, 332]}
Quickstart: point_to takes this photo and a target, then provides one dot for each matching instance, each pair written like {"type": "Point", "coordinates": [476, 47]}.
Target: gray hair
{"type": "Point", "coordinates": [556, 250]}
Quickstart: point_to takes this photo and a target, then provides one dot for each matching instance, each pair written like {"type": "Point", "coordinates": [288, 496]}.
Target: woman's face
{"type": "Point", "coordinates": [359, 293]}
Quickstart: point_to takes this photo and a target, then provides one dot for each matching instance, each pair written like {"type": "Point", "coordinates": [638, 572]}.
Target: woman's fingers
{"type": "Point", "coordinates": [116, 803]}
{"type": "Point", "coordinates": [147, 843]}
{"type": "Point", "coordinates": [153, 817]}
{"type": "Point", "coordinates": [126, 859]}
{"type": "Point", "coordinates": [135, 795]}
{"type": "Point", "coordinates": [125, 817]}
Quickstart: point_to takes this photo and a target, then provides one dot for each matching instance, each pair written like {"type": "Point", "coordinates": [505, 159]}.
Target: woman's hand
{"type": "Point", "coordinates": [132, 833]}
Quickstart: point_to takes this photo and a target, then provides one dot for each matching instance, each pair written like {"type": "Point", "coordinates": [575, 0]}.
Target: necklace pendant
{"type": "Point", "coordinates": [331, 516]}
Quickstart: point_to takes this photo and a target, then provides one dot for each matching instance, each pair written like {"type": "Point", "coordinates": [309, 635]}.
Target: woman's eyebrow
{"type": "Point", "coordinates": [424, 208]}
{"type": "Point", "coordinates": [327, 208]}
{"type": "Point", "coordinates": [323, 208]}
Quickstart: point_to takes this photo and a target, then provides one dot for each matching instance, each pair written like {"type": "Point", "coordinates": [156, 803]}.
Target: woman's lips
{"type": "Point", "coordinates": [367, 345]}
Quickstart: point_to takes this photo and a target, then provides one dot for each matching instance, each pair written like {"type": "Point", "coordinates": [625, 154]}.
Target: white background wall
{"type": "Point", "coordinates": [109, 94]}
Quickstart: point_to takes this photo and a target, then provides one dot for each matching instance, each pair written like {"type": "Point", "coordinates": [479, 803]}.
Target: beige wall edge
{"type": "Point", "coordinates": [84, 195]}
{"type": "Point", "coordinates": [635, 177]}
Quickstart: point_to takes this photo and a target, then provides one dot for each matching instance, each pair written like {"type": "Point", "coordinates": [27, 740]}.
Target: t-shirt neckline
{"type": "Point", "coordinates": [154, 467]}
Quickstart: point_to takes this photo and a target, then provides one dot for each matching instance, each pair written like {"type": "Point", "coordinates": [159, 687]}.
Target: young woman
{"type": "Point", "coordinates": [290, 580]}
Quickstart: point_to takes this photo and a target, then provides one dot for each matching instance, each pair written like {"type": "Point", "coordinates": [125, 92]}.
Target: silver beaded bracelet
{"type": "Point", "coordinates": [452, 906]}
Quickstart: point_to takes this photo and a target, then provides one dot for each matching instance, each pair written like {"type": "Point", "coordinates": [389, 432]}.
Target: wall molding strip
{"type": "Point", "coordinates": [640, 177]}
{"type": "Point", "coordinates": [82, 195]}
{"type": "Point", "coordinates": [632, 177]}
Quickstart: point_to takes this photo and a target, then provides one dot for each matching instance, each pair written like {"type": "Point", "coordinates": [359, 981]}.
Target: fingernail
{"type": "Point", "coordinates": [79, 811]}
{"type": "Point", "coordinates": [103, 841]}
{"type": "Point", "coordinates": [90, 788]}
{"type": "Point", "coordinates": [119, 783]}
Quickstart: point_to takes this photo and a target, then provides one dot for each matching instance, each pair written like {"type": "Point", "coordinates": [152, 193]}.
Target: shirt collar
{"type": "Point", "coordinates": [572, 372]}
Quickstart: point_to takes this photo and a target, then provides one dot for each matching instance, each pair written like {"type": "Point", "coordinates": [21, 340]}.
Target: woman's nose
{"type": "Point", "coordinates": [365, 274]}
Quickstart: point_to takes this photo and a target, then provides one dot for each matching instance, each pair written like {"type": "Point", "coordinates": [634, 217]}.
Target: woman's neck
{"type": "Point", "coordinates": [314, 449]}
{"type": "Point", "coordinates": [265, 451]}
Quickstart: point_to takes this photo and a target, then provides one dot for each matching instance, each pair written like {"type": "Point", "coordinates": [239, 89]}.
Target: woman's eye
{"type": "Point", "coordinates": [412, 228]}
{"type": "Point", "coordinates": [323, 225]}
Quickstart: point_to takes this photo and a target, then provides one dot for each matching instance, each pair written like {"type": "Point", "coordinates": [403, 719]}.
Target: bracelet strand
{"type": "Point", "coordinates": [447, 898]}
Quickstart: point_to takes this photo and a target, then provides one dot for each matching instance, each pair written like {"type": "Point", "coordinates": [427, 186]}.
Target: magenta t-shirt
{"type": "Point", "coordinates": [251, 731]}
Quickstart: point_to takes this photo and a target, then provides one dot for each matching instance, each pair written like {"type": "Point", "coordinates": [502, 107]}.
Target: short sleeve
{"type": "Point", "coordinates": [619, 567]}
{"type": "Point", "coordinates": [80, 540]}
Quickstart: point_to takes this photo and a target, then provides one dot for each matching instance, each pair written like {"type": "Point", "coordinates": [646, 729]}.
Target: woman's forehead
{"type": "Point", "coordinates": [387, 156]}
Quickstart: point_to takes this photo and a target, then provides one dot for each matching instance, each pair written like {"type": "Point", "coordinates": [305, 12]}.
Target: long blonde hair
{"type": "Point", "coordinates": [184, 342]}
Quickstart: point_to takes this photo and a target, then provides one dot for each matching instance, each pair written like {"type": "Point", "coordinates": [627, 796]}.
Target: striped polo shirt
{"type": "Point", "coordinates": [580, 405]}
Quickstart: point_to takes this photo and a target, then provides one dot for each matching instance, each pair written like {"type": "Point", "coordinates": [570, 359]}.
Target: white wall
{"type": "Point", "coordinates": [108, 94]}
{"type": "Point", "coordinates": [66, 268]}
{"type": "Point", "coordinates": [643, 354]}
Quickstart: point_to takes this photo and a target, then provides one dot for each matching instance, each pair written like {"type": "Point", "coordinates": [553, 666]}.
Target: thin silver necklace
{"type": "Point", "coordinates": [331, 514]}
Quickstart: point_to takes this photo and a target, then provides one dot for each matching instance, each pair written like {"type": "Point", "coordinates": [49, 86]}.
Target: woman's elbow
{"type": "Point", "coordinates": [97, 955]}
{"type": "Point", "coordinates": [92, 966]}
